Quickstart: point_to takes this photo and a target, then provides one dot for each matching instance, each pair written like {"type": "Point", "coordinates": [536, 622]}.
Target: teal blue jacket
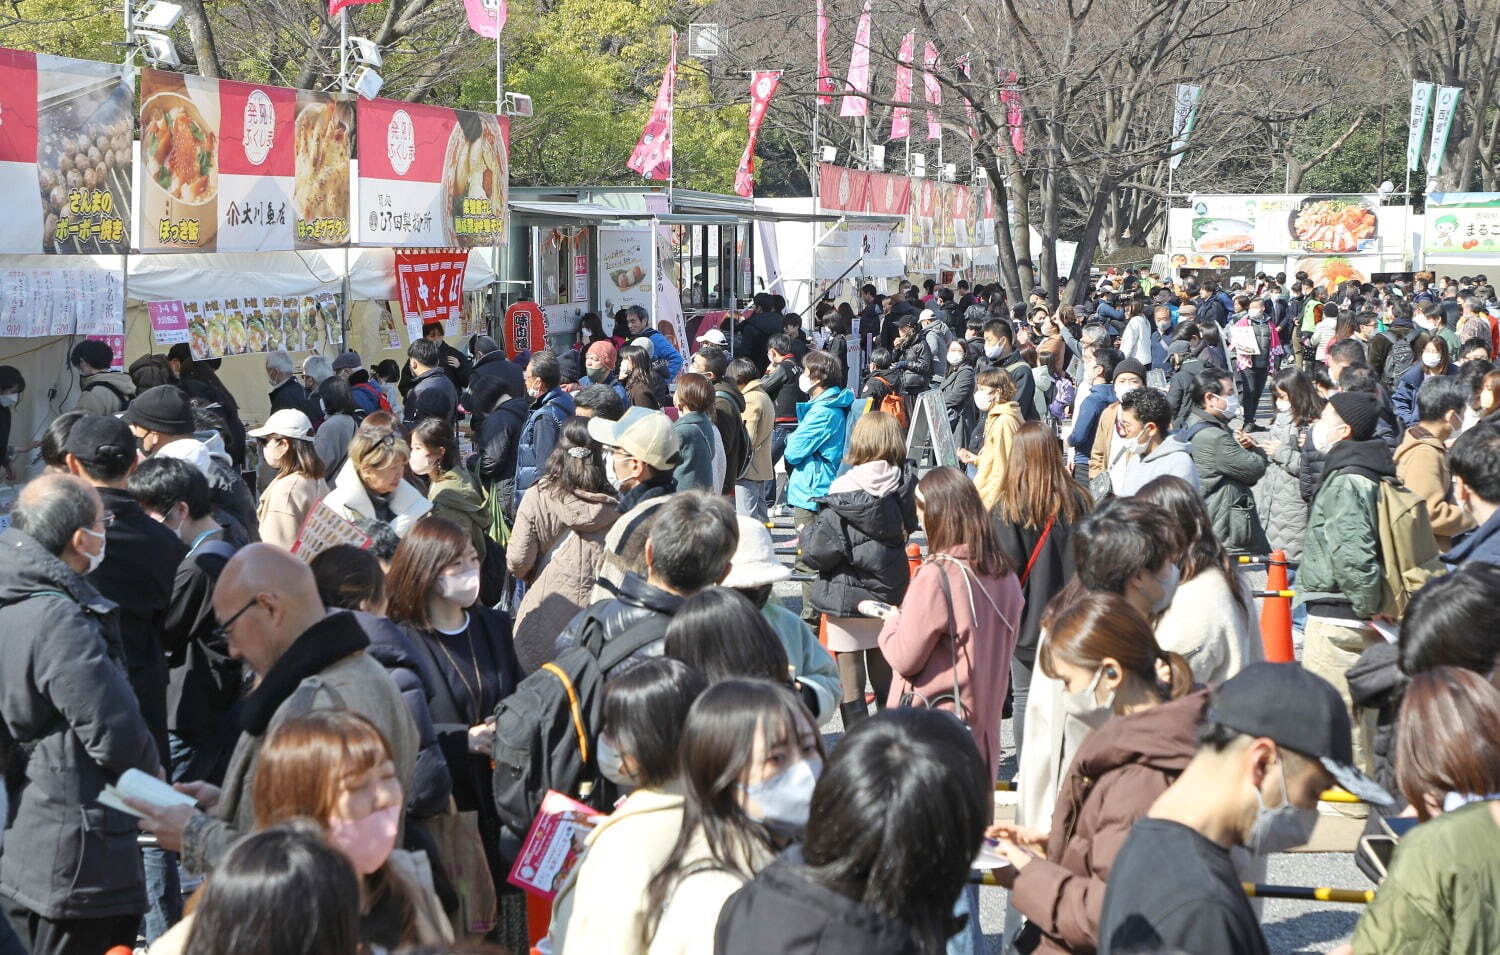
{"type": "Point", "coordinates": [814, 450]}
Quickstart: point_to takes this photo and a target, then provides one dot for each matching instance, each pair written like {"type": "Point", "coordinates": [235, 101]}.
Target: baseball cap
{"type": "Point", "coordinates": [640, 433]}
{"type": "Point", "coordinates": [1299, 710]}
{"type": "Point", "coordinates": [286, 423]}
{"type": "Point", "coordinates": [714, 337]}
{"type": "Point", "coordinates": [96, 435]}
{"type": "Point", "coordinates": [349, 359]}
{"type": "Point", "coordinates": [755, 563]}
{"type": "Point", "coordinates": [165, 408]}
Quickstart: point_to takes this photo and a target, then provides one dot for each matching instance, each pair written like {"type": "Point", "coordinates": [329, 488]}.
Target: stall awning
{"type": "Point", "coordinates": [562, 211]}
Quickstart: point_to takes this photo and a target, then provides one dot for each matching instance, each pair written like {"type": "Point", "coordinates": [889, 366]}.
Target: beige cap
{"type": "Point", "coordinates": [641, 433]}
{"type": "Point", "coordinates": [286, 423]}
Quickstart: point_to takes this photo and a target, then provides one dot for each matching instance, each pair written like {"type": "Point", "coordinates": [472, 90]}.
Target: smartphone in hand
{"type": "Point", "coordinates": [875, 608]}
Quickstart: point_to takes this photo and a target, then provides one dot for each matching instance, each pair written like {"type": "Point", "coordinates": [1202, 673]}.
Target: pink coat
{"type": "Point", "coordinates": [917, 647]}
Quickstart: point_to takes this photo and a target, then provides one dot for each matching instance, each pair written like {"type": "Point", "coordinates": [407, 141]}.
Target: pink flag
{"type": "Point", "coordinates": [931, 91]}
{"type": "Point", "coordinates": [859, 70]}
{"type": "Point", "coordinates": [963, 66]}
{"type": "Point", "coordinates": [900, 115]}
{"type": "Point", "coordinates": [334, 6]}
{"type": "Point", "coordinates": [652, 157]}
{"type": "Point", "coordinates": [763, 85]}
{"type": "Point", "coordinates": [825, 79]}
{"type": "Point", "coordinates": [1011, 97]}
{"type": "Point", "coordinates": [486, 17]}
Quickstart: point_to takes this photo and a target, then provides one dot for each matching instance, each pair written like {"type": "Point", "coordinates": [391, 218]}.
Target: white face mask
{"type": "Point", "coordinates": [1123, 390]}
{"type": "Point", "coordinates": [609, 472]}
{"type": "Point", "coordinates": [1143, 441]}
{"type": "Point", "coordinates": [1323, 436]}
{"type": "Point", "coordinates": [805, 382]}
{"type": "Point", "coordinates": [612, 764]}
{"type": "Point", "coordinates": [1283, 406]}
{"type": "Point", "coordinates": [1278, 828]}
{"type": "Point", "coordinates": [461, 588]}
{"type": "Point", "coordinates": [1083, 705]}
{"type": "Point", "coordinates": [1431, 360]}
{"type": "Point", "coordinates": [984, 399]}
{"type": "Point", "coordinates": [421, 461]}
{"type": "Point", "coordinates": [97, 558]}
{"type": "Point", "coordinates": [992, 351]}
{"type": "Point", "coordinates": [955, 358]}
{"type": "Point", "coordinates": [1168, 581]}
{"type": "Point", "coordinates": [1231, 404]}
{"type": "Point", "coordinates": [9, 401]}
{"type": "Point", "coordinates": [782, 802]}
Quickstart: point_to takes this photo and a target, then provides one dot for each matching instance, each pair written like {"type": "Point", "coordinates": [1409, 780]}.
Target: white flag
{"type": "Point", "coordinates": [1184, 118]}
{"type": "Point", "coordinates": [1442, 122]}
{"type": "Point", "coordinates": [1421, 103]}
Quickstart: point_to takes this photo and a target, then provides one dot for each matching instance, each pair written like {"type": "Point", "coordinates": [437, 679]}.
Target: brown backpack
{"type": "Point", "coordinates": [893, 404]}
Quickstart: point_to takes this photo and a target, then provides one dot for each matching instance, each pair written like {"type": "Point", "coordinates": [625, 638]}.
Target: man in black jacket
{"type": "Point", "coordinates": [1000, 352]}
{"type": "Point", "coordinates": [757, 329]}
{"type": "Point", "coordinates": [914, 356]}
{"type": "Point", "coordinates": [782, 384]}
{"type": "Point", "coordinates": [729, 410]}
{"type": "Point", "coordinates": [490, 362]}
{"type": "Point", "coordinates": [70, 876]}
{"type": "Point", "coordinates": [432, 393]}
{"type": "Point", "coordinates": [454, 363]}
{"type": "Point", "coordinates": [690, 546]}
{"type": "Point", "coordinates": [287, 391]}
{"type": "Point", "coordinates": [499, 414]}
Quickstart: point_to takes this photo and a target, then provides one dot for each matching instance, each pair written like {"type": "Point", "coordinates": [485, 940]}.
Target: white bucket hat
{"type": "Point", "coordinates": [755, 563]}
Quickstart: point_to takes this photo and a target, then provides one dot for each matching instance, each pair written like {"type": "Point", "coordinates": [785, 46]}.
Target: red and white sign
{"type": "Point", "coordinates": [486, 17]}
{"type": "Point", "coordinates": [525, 329]}
{"type": "Point", "coordinates": [430, 283]}
{"type": "Point", "coordinates": [169, 323]}
{"type": "Point", "coordinates": [900, 115]}
{"type": "Point", "coordinates": [825, 80]}
{"type": "Point", "coordinates": [552, 846]}
{"type": "Point", "coordinates": [931, 91]}
{"type": "Point", "coordinates": [652, 156]}
{"type": "Point", "coordinates": [431, 176]}
{"type": "Point", "coordinates": [858, 83]}
{"type": "Point", "coordinates": [1011, 97]}
{"type": "Point", "coordinates": [763, 85]}
{"type": "Point", "coordinates": [842, 189]}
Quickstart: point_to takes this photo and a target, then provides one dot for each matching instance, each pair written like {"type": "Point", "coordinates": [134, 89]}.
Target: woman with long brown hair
{"type": "Point", "coordinates": [951, 640]}
{"type": "Point", "coordinates": [286, 444]}
{"type": "Point", "coordinates": [1039, 503]}
{"type": "Point", "coordinates": [1139, 700]}
{"type": "Point", "coordinates": [434, 590]}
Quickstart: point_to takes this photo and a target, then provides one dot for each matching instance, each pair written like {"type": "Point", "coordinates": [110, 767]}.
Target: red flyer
{"type": "Point", "coordinates": [553, 845]}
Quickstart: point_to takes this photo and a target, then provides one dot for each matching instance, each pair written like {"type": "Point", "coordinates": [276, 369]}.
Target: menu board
{"type": "Point", "coordinates": [240, 167]}
{"type": "Point", "coordinates": [65, 162]}
{"type": "Point", "coordinates": [247, 325]}
{"type": "Point", "coordinates": [1462, 223]}
{"type": "Point", "coordinates": [430, 176]}
{"type": "Point", "coordinates": [36, 303]}
{"type": "Point", "coordinates": [1285, 224]}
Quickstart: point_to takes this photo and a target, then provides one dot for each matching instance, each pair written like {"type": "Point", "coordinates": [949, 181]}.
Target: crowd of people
{"type": "Point", "coordinates": [566, 579]}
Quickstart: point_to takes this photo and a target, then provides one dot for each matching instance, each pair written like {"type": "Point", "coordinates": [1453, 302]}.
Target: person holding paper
{"type": "Point", "coordinates": [71, 876]}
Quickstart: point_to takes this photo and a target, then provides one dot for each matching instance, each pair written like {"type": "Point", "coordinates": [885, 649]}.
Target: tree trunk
{"type": "Point", "coordinates": [205, 53]}
{"type": "Point", "coordinates": [1083, 259]}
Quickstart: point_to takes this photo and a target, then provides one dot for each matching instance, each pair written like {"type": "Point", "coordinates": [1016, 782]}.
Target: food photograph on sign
{"type": "Point", "coordinates": [324, 137]}
{"type": "Point", "coordinates": [475, 182]}
{"type": "Point", "coordinates": [83, 158]}
{"type": "Point", "coordinates": [180, 160]}
{"type": "Point", "coordinates": [1223, 227]}
{"type": "Point", "coordinates": [1331, 270]}
{"type": "Point", "coordinates": [1333, 224]}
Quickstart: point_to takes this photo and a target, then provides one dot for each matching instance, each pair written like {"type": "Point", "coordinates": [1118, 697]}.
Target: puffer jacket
{"type": "Point", "coordinates": [66, 701]}
{"type": "Point", "coordinates": [1376, 684]}
{"type": "Point", "coordinates": [556, 546]}
{"type": "Point", "coordinates": [1226, 473]}
{"type": "Point", "coordinates": [499, 437]}
{"type": "Point", "coordinates": [1340, 570]}
{"type": "Point", "coordinates": [1118, 772]}
{"type": "Point", "coordinates": [539, 436]}
{"type": "Point", "coordinates": [857, 544]}
{"type": "Point", "coordinates": [814, 450]}
{"type": "Point", "coordinates": [1310, 469]}
{"type": "Point", "coordinates": [639, 610]}
{"type": "Point", "coordinates": [1278, 495]}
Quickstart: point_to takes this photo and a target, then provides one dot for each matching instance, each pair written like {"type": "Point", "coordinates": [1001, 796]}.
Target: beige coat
{"type": "Point", "coordinates": [760, 415]}
{"type": "Point", "coordinates": [1001, 423]}
{"type": "Point", "coordinates": [285, 504]}
{"type": "Point", "coordinates": [1422, 465]}
{"type": "Point", "coordinates": [691, 914]}
{"type": "Point", "coordinates": [1104, 438]}
{"type": "Point", "coordinates": [555, 546]}
{"type": "Point", "coordinates": [601, 905]}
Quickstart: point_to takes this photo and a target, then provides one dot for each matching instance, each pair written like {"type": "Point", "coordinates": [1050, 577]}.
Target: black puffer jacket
{"type": "Point", "coordinates": [857, 544]}
{"type": "Point", "coordinates": [1310, 473]}
{"type": "Point", "coordinates": [1377, 683]}
{"type": "Point", "coordinates": [499, 436]}
{"type": "Point", "coordinates": [391, 645]}
{"type": "Point", "coordinates": [729, 410]}
{"type": "Point", "coordinates": [641, 612]}
{"type": "Point", "coordinates": [780, 385]}
{"type": "Point", "coordinates": [782, 910]}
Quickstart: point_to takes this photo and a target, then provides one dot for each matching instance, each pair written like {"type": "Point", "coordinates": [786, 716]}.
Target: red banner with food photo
{"type": "Point", "coordinates": [241, 167]}
{"type": "Point", "coordinates": [65, 161]}
{"type": "Point", "coordinates": [430, 284]}
{"type": "Point", "coordinates": [431, 176]}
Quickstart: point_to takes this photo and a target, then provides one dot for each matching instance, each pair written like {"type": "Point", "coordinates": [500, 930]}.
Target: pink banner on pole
{"type": "Point", "coordinates": [763, 85]}
{"type": "Point", "coordinates": [486, 17]}
{"type": "Point", "coordinates": [931, 91]}
{"type": "Point", "coordinates": [1011, 97]}
{"type": "Point", "coordinates": [652, 157]}
{"type": "Point", "coordinates": [334, 6]}
{"type": "Point", "coordinates": [825, 79]}
{"type": "Point", "coordinates": [858, 83]}
{"type": "Point", "coordinates": [900, 115]}
{"type": "Point", "coordinates": [963, 66]}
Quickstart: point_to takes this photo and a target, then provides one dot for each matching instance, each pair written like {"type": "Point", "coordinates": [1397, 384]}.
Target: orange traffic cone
{"type": "Point", "coordinates": [913, 558]}
{"type": "Point", "coordinates": [1276, 613]}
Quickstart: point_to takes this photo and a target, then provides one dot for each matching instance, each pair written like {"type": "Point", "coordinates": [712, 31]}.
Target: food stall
{"type": "Point", "coordinates": [1461, 234]}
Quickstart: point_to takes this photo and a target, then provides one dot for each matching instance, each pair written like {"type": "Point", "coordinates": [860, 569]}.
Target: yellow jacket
{"type": "Point", "coordinates": [1000, 427]}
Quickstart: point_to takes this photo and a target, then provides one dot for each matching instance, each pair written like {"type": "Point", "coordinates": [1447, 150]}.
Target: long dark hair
{"type": "Point", "coordinates": [713, 759]}
{"type": "Point", "coordinates": [644, 711]}
{"type": "Point", "coordinates": [438, 435]}
{"type": "Point", "coordinates": [432, 544]}
{"type": "Point", "coordinates": [1094, 626]}
{"type": "Point", "coordinates": [281, 891]}
{"type": "Point", "coordinates": [1298, 388]}
{"type": "Point", "coordinates": [576, 462]}
{"type": "Point", "coordinates": [641, 374]}
{"type": "Point", "coordinates": [954, 516]}
{"type": "Point", "coordinates": [348, 577]}
{"type": "Point", "coordinates": [1038, 488]}
{"type": "Point", "coordinates": [720, 633]}
{"type": "Point", "coordinates": [897, 817]}
{"type": "Point", "coordinates": [1202, 550]}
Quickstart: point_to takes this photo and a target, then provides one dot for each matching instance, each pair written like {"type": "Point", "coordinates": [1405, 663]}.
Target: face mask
{"type": "Point", "coordinates": [992, 351]}
{"type": "Point", "coordinates": [782, 802]}
{"type": "Point", "coordinates": [1123, 390]}
{"type": "Point", "coordinates": [1256, 315]}
{"type": "Point", "coordinates": [1278, 828]}
{"type": "Point", "coordinates": [9, 401]}
{"type": "Point", "coordinates": [97, 558]}
{"type": "Point", "coordinates": [1083, 707]}
{"type": "Point", "coordinates": [1231, 405]}
{"type": "Point", "coordinates": [983, 400]}
{"type": "Point", "coordinates": [609, 472]}
{"type": "Point", "coordinates": [1164, 327]}
{"type": "Point", "coordinates": [1322, 436]}
{"type": "Point", "coordinates": [955, 358]}
{"type": "Point", "coordinates": [595, 371]}
{"type": "Point", "coordinates": [420, 462]}
{"type": "Point", "coordinates": [612, 764]}
{"type": "Point", "coordinates": [1283, 406]}
{"type": "Point", "coordinates": [1143, 442]}
{"type": "Point", "coordinates": [366, 842]}
{"type": "Point", "coordinates": [1168, 581]}
{"type": "Point", "coordinates": [805, 383]}
{"type": "Point", "coordinates": [1431, 361]}
{"type": "Point", "coordinates": [462, 589]}
{"type": "Point", "coordinates": [625, 369]}
{"type": "Point", "coordinates": [271, 453]}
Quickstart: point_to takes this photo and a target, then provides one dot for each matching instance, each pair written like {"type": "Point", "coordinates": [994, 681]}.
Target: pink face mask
{"type": "Point", "coordinates": [366, 842]}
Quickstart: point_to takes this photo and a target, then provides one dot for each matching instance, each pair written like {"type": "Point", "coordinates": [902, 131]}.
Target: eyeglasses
{"type": "Point", "coordinates": [221, 632]}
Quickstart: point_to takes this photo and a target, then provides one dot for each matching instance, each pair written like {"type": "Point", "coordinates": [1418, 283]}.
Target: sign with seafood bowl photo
{"type": "Point", "coordinates": [1297, 224]}
{"type": "Point", "coordinates": [430, 176]}
{"type": "Point", "coordinates": [64, 154]}
{"type": "Point", "coordinates": [241, 167]}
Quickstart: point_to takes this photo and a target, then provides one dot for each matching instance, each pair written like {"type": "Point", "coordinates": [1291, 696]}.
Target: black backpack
{"type": "Point", "coordinates": [1401, 357]}
{"type": "Point", "coordinates": [546, 730]}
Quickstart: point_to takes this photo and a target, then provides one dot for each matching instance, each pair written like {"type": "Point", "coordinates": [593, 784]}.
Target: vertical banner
{"type": "Point", "coordinates": [624, 268]}
{"type": "Point", "coordinates": [652, 157]}
{"type": "Point", "coordinates": [1184, 118]}
{"type": "Point", "coordinates": [486, 17]}
{"type": "Point", "coordinates": [932, 92]}
{"type": "Point", "coordinates": [900, 115]}
{"type": "Point", "coordinates": [1421, 104]}
{"type": "Point", "coordinates": [763, 85]}
{"type": "Point", "coordinates": [430, 285]}
{"type": "Point", "coordinates": [968, 74]}
{"type": "Point", "coordinates": [666, 310]}
{"type": "Point", "coordinates": [825, 79]}
{"type": "Point", "coordinates": [1011, 97]}
{"type": "Point", "coordinates": [1442, 124]}
{"type": "Point", "coordinates": [858, 83]}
